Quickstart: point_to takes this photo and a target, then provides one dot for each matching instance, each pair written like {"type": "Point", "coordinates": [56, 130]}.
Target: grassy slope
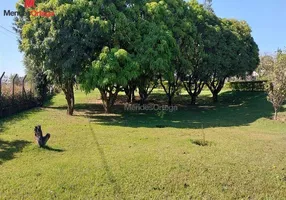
{"type": "Point", "coordinates": [124, 155]}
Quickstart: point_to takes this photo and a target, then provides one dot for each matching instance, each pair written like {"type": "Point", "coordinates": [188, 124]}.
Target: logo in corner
{"type": "Point", "coordinates": [35, 13]}
{"type": "Point", "coordinates": [29, 3]}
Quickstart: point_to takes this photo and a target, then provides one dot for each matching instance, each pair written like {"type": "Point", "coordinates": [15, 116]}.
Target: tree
{"type": "Point", "coordinates": [234, 54]}
{"type": "Point", "coordinates": [117, 55]}
{"type": "Point", "coordinates": [207, 64]}
{"type": "Point", "coordinates": [36, 74]}
{"type": "Point", "coordinates": [110, 73]}
{"type": "Point", "coordinates": [265, 66]}
{"type": "Point", "coordinates": [194, 70]}
{"type": "Point", "coordinates": [65, 43]}
{"type": "Point", "coordinates": [277, 77]}
{"type": "Point", "coordinates": [208, 5]}
{"type": "Point", "coordinates": [171, 16]}
{"type": "Point", "coordinates": [154, 54]}
{"type": "Point", "coordinates": [194, 74]}
{"type": "Point", "coordinates": [169, 40]}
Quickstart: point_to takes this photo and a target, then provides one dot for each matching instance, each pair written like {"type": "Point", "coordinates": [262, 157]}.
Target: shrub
{"type": "Point", "coordinates": [10, 105]}
{"type": "Point", "coordinates": [248, 85]}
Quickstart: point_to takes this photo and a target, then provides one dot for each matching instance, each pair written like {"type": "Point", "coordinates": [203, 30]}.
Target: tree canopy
{"type": "Point", "coordinates": [128, 44]}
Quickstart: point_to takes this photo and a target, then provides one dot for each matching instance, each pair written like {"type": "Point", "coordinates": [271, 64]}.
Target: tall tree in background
{"type": "Point", "coordinates": [173, 17]}
{"type": "Point", "coordinates": [265, 66]}
{"type": "Point", "coordinates": [154, 54]}
{"type": "Point", "coordinates": [36, 74]}
{"type": "Point", "coordinates": [235, 54]}
{"type": "Point", "coordinates": [193, 52]}
{"type": "Point", "coordinates": [208, 5]}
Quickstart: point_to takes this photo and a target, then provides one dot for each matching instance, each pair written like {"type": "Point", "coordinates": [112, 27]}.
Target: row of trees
{"type": "Point", "coordinates": [128, 44]}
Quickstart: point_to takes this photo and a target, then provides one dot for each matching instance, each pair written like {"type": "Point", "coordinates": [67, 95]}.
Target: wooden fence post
{"type": "Point", "coordinates": [1, 84]}
{"type": "Point", "coordinates": [23, 86]}
{"type": "Point", "coordinates": [13, 86]}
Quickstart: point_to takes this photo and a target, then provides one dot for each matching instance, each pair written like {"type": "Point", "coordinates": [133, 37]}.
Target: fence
{"type": "Point", "coordinates": [16, 95]}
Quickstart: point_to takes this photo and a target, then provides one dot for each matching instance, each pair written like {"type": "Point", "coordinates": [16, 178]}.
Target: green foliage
{"type": "Point", "coordinates": [112, 71]}
{"type": "Point", "coordinates": [41, 86]}
{"type": "Point", "coordinates": [277, 78]}
{"type": "Point", "coordinates": [64, 43]}
{"type": "Point", "coordinates": [169, 40]}
{"type": "Point", "coordinates": [114, 68]}
{"type": "Point", "coordinates": [38, 77]}
{"type": "Point", "coordinates": [229, 47]}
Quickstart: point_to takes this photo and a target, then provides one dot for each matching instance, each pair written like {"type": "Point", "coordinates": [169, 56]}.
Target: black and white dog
{"type": "Point", "coordinates": [39, 136]}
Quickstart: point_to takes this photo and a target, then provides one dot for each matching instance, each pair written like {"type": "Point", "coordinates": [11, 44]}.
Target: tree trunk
{"type": "Point", "coordinates": [216, 88]}
{"type": "Point", "coordinates": [129, 98]}
{"type": "Point", "coordinates": [170, 91]}
{"type": "Point", "coordinates": [105, 101]}
{"type": "Point", "coordinates": [130, 93]}
{"type": "Point", "coordinates": [143, 96]}
{"type": "Point", "coordinates": [107, 107]}
{"type": "Point", "coordinates": [193, 99]}
{"type": "Point", "coordinates": [275, 114]}
{"type": "Point", "coordinates": [69, 94]}
{"type": "Point", "coordinates": [169, 100]}
{"type": "Point", "coordinates": [215, 96]}
{"type": "Point", "coordinates": [133, 96]}
{"type": "Point", "coordinates": [195, 91]}
{"type": "Point", "coordinates": [108, 101]}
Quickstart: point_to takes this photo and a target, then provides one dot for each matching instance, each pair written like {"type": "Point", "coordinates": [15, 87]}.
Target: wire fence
{"type": "Point", "coordinates": [16, 95]}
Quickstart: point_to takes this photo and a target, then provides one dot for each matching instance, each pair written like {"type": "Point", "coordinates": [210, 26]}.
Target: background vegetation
{"type": "Point", "coordinates": [127, 44]}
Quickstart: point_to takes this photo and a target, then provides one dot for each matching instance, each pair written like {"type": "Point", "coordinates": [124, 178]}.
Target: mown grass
{"type": "Point", "coordinates": [125, 156]}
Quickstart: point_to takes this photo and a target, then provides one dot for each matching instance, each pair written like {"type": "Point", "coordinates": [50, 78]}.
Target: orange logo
{"type": "Point", "coordinates": [29, 3]}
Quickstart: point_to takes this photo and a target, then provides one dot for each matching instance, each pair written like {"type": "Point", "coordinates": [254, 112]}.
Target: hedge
{"type": "Point", "coordinates": [10, 105]}
{"type": "Point", "coordinates": [248, 85]}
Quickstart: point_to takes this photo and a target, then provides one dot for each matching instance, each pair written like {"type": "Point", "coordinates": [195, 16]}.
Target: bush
{"type": "Point", "coordinates": [248, 85]}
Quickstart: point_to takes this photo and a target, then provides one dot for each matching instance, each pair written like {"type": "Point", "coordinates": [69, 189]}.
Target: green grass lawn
{"type": "Point", "coordinates": [125, 156]}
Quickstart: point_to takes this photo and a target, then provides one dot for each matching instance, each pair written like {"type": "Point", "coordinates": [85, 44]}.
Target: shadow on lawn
{"type": "Point", "coordinates": [17, 117]}
{"type": "Point", "coordinates": [110, 175]}
{"type": "Point", "coordinates": [8, 149]}
{"type": "Point", "coordinates": [234, 109]}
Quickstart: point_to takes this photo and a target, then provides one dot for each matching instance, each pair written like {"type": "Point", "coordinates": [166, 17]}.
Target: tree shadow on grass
{"type": "Point", "coordinates": [17, 117]}
{"type": "Point", "coordinates": [9, 149]}
{"type": "Point", "coordinates": [234, 109]}
{"type": "Point", "coordinates": [109, 173]}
